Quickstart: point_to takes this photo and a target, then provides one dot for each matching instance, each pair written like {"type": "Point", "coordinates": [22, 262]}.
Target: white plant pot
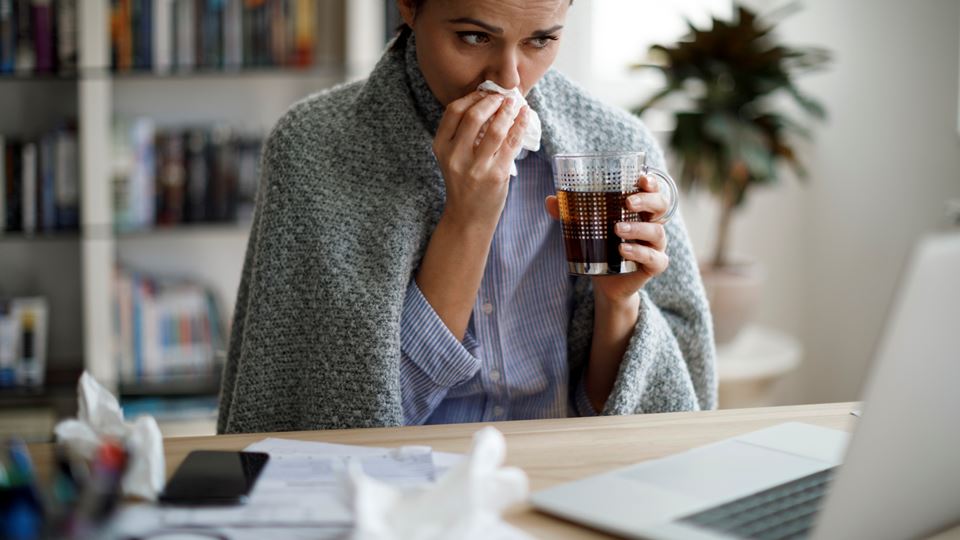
{"type": "Point", "coordinates": [734, 293]}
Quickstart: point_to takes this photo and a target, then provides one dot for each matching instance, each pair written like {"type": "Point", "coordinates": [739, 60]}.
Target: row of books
{"type": "Point", "coordinates": [166, 409]}
{"type": "Point", "coordinates": [40, 183]}
{"type": "Point", "coordinates": [164, 328]}
{"type": "Point", "coordinates": [166, 177]}
{"type": "Point", "coordinates": [23, 342]}
{"type": "Point", "coordinates": [184, 35]}
{"type": "Point", "coordinates": [38, 36]}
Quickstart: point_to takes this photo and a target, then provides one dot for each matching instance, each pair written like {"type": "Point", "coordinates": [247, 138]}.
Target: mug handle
{"type": "Point", "coordinates": [671, 187]}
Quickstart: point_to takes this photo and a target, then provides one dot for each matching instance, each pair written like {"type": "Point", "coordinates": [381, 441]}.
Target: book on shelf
{"type": "Point", "coordinates": [183, 35]}
{"type": "Point", "coordinates": [141, 20]}
{"type": "Point", "coordinates": [190, 175]}
{"type": "Point", "coordinates": [23, 342]}
{"type": "Point", "coordinates": [165, 409]}
{"type": "Point", "coordinates": [8, 36]}
{"type": "Point", "coordinates": [25, 50]}
{"type": "Point", "coordinates": [28, 208]}
{"type": "Point", "coordinates": [38, 36]}
{"type": "Point", "coordinates": [162, 46]}
{"type": "Point", "coordinates": [42, 19]}
{"type": "Point", "coordinates": [164, 329]}
{"type": "Point", "coordinates": [40, 183]}
{"type": "Point", "coordinates": [67, 34]}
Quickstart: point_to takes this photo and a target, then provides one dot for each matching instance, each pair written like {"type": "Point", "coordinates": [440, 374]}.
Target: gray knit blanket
{"type": "Point", "coordinates": [350, 193]}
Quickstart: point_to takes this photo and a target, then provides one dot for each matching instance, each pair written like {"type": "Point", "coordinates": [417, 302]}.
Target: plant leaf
{"type": "Point", "coordinates": [810, 105]}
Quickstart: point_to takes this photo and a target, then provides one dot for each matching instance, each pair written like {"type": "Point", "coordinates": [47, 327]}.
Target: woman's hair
{"type": "Point", "coordinates": [404, 30]}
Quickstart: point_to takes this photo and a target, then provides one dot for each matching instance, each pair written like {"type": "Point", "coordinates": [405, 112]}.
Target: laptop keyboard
{"type": "Point", "coordinates": [783, 512]}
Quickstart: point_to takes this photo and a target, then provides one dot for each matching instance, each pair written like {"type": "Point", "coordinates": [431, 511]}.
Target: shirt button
{"type": "Point", "coordinates": [487, 308]}
{"type": "Point", "coordinates": [498, 411]}
{"type": "Point", "coordinates": [494, 375]}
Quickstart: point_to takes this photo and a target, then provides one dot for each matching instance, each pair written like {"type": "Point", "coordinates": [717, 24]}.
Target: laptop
{"type": "Point", "coordinates": [900, 476]}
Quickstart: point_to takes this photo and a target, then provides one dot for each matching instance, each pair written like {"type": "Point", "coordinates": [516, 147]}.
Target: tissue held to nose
{"type": "Point", "coordinates": [531, 135]}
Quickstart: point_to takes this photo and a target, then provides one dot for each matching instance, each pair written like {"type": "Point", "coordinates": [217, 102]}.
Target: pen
{"type": "Point", "coordinates": [24, 517]}
{"type": "Point", "coordinates": [102, 490]}
{"type": "Point", "coordinates": [68, 482]}
{"type": "Point", "coordinates": [20, 459]}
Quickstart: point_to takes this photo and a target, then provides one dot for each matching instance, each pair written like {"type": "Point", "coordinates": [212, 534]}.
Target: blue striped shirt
{"type": "Point", "coordinates": [512, 363]}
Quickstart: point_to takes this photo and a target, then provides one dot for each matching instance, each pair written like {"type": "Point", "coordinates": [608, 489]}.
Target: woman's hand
{"type": "Point", "coordinates": [477, 174]}
{"type": "Point", "coordinates": [477, 177]}
{"type": "Point", "coordinates": [646, 244]}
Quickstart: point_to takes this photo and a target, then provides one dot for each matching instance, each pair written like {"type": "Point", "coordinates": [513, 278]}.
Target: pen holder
{"type": "Point", "coordinates": [79, 498]}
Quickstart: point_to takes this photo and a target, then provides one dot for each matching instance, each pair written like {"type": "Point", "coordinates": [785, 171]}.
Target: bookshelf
{"type": "Point", "coordinates": [74, 271]}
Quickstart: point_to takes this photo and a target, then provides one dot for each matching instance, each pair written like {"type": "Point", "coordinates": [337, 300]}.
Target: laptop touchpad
{"type": "Point", "coordinates": [724, 471]}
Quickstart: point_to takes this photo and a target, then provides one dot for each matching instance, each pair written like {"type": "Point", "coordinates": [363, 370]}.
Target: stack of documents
{"type": "Point", "coordinates": [299, 493]}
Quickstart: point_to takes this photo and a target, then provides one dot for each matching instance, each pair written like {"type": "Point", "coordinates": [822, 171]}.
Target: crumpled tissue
{"type": "Point", "coordinates": [465, 504]}
{"type": "Point", "coordinates": [99, 416]}
{"type": "Point", "coordinates": [531, 136]}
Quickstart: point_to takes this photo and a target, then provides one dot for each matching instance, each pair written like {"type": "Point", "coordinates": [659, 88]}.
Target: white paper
{"type": "Point", "coordinates": [277, 446]}
{"type": "Point", "coordinates": [148, 521]}
{"type": "Point", "coordinates": [301, 484]}
{"type": "Point", "coordinates": [325, 491]}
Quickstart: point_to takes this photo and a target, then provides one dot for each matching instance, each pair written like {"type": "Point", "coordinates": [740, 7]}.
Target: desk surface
{"type": "Point", "coordinates": [550, 451]}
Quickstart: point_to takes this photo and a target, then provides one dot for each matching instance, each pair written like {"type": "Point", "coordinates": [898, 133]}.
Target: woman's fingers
{"type": "Point", "coordinates": [453, 114]}
{"type": "Point", "coordinates": [654, 262]}
{"type": "Point", "coordinates": [648, 184]}
{"type": "Point", "coordinates": [514, 140]}
{"type": "Point", "coordinates": [552, 204]}
{"type": "Point", "coordinates": [474, 119]}
{"type": "Point", "coordinates": [652, 203]}
{"type": "Point", "coordinates": [653, 234]}
{"type": "Point", "coordinates": [498, 129]}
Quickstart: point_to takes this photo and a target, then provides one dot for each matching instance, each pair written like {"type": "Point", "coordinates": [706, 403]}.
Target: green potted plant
{"type": "Point", "coordinates": [733, 135]}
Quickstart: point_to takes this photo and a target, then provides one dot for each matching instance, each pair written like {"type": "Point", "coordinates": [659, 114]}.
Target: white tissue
{"type": "Point", "coordinates": [531, 136]}
{"type": "Point", "coordinates": [466, 503]}
{"type": "Point", "coordinates": [100, 416]}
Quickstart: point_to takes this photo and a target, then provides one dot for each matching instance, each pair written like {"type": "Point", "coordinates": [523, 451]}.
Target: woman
{"type": "Point", "coordinates": [396, 274]}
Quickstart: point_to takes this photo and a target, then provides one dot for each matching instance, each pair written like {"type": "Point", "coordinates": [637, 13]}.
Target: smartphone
{"type": "Point", "coordinates": [212, 477]}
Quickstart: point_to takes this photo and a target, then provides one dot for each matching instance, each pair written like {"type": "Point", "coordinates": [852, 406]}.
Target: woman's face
{"type": "Point", "coordinates": [461, 43]}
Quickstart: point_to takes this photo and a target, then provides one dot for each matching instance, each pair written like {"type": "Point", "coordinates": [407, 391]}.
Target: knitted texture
{"type": "Point", "coordinates": [350, 194]}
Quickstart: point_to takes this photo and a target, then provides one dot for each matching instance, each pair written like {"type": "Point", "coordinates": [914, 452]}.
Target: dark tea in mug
{"type": "Point", "coordinates": [589, 219]}
{"type": "Point", "coordinates": [592, 190]}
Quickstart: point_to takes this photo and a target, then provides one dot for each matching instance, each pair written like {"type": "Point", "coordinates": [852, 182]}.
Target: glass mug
{"type": "Point", "coordinates": [592, 190]}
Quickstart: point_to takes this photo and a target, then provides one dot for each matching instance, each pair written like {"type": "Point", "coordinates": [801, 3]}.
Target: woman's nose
{"type": "Point", "coordinates": [505, 71]}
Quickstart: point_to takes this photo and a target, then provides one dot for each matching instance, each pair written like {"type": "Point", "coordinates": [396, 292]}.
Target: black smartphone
{"type": "Point", "coordinates": [213, 477]}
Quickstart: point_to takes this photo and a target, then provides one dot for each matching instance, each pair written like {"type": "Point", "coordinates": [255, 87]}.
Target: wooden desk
{"type": "Point", "coordinates": [550, 451]}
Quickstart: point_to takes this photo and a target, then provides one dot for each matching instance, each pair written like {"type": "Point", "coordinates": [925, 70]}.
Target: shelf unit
{"type": "Point", "coordinates": [211, 253]}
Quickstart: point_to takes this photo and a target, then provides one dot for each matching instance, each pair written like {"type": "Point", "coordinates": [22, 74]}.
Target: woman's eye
{"type": "Point", "coordinates": [473, 38]}
{"type": "Point", "coordinates": [541, 42]}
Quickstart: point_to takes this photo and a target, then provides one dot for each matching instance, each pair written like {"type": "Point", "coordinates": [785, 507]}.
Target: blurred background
{"type": "Point", "coordinates": [131, 131]}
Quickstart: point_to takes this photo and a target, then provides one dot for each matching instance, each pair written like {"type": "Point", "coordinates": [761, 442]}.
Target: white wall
{"type": "Point", "coordinates": [881, 169]}
{"type": "Point", "coordinates": [603, 39]}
